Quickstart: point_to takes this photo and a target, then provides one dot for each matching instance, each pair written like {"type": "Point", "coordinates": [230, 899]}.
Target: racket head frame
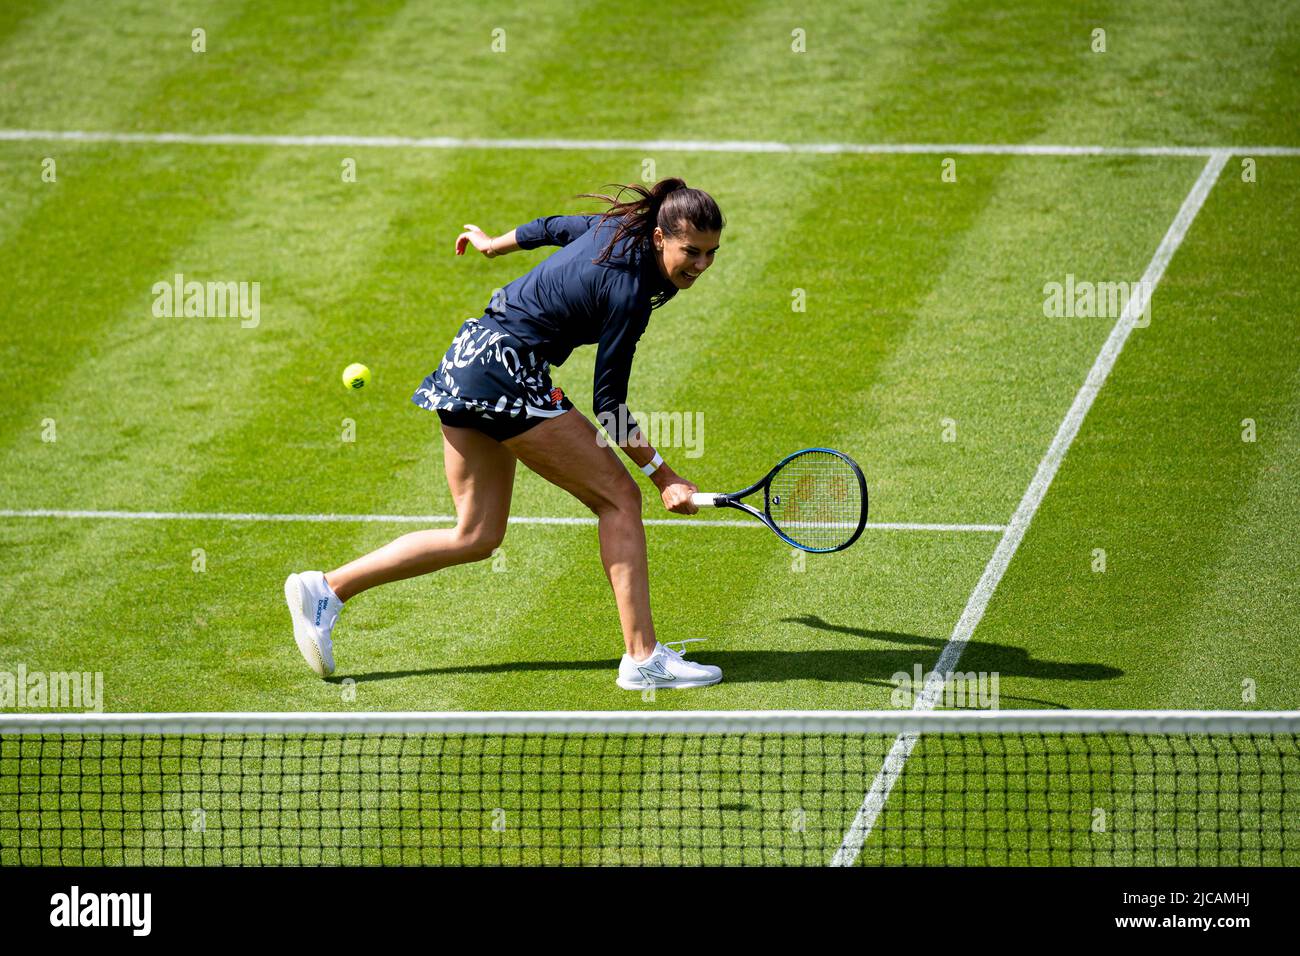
{"type": "Point", "coordinates": [732, 500]}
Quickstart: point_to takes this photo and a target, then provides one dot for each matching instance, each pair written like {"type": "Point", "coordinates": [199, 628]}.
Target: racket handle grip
{"type": "Point", "coordinates": [702, 500]}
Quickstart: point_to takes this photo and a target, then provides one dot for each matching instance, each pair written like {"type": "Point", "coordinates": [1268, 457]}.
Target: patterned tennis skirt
{"type": "Point", "coordinates": [491, 381]}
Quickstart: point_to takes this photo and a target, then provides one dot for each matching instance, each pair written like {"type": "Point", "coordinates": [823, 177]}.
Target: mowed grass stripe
{"type": "Point", "coordinates": [59, 59]}
{"type": "Point", "coordinates": [873, 72]}
{"type": "Point", "coordinates": [1165, 73]}
{"type": "Point", "coordinates": [263, 64]}
{"type": "Point", "coordinates": [1195, 523]}
{"type": "Point", "coordinates": [1018, 65]}
{"type": "Point", "coordinates": [105, 340]}
{"type": "Point", "coordinates": [121, 443]}
{"type": "Point", "coordinates": [19, 166]}
{"type": "Point", "coordinates": [146, 56]}
{"type": "Point", "coordinates": [82, 256]}
{"type": "Point", "coordinates": [979, 387]}
{"type": "Point", "coordinates": [446, 58]}
{"type": "Point", "coordinates": [12, 18]}
{"type": "Point", "coordinates": [221, 640]}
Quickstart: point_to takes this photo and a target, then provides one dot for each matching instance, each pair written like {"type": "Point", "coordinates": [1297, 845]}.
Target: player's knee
{"type": "Point", "coordinates": [478, 543]}
{"type": "Point", "coordinates": [614, 492]}
{"type": "Point", "coordinates": [620, 495]}
{"type": "Point", "coordinates": [625, 495]}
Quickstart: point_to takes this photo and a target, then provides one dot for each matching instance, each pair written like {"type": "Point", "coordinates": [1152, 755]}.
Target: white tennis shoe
{"type": "Point", "coordinates": [315, 609]}
{"type": "Point", "coordinates": [666, 668]}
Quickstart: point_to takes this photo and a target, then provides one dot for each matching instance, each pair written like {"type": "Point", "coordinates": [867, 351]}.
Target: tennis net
{"type": "Point", "coordinates": [1123, 788]}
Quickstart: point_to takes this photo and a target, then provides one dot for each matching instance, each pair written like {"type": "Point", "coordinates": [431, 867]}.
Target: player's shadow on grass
{"type": "Point", "coordinates": [873, 666]}
{"type": "Point", "coordinates": [504, 667]}
{"type": "Point", "coordinates": [878, 667]}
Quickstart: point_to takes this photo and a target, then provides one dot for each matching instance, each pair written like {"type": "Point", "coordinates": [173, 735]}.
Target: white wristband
{"type": "Point", "coordinates": [653, 466]}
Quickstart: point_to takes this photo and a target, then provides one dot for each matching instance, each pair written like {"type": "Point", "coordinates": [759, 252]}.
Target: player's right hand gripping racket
{"type": "Point", "coordinates": [815, 500]}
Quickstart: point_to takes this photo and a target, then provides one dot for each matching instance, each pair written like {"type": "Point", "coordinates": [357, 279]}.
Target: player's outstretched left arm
{"type": "Point", "coordinates": [488, 245]}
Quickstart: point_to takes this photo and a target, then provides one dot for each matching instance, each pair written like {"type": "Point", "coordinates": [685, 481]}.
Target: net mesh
{"type": "Point", "coordinates": [816, 500]}
{"type": "Point", "coordinates": [754, 796]}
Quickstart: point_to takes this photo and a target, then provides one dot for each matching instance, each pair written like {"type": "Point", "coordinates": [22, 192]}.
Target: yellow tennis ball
{"type": "Point", "coordinates": [356, 376]}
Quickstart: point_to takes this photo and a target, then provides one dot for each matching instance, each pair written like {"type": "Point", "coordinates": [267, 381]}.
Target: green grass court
{"type": "Point", "coordinates": [924, 351]}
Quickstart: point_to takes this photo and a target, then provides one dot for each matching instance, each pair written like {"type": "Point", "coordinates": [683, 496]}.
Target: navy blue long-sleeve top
{"type": "Point", "coordinates": [567, 300]}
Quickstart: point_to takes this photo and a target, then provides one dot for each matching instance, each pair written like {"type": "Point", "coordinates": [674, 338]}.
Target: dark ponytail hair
{"type": "Point", "coordinates": [669, 204]}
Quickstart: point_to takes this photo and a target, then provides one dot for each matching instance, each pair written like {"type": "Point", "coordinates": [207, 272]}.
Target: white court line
{"type": "Point", "coordinates": [874, 801]}
{"type": "Point", "coordinates": [439, 519]}
{"type": "Point", "coordinates": [647, 145]}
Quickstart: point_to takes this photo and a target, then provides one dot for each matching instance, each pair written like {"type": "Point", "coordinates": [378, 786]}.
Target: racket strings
{"type": "Point", "coordinates": [816, 500]}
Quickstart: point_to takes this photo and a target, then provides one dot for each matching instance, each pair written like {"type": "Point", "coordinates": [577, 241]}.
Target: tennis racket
{"type": "Point", "coordinates": [815, 500]}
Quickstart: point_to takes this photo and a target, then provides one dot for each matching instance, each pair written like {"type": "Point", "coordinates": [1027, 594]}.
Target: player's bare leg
{"type": "Point", "coordinates": [564, 451]}
{"type": "Point", "coordinates": [481, 475]}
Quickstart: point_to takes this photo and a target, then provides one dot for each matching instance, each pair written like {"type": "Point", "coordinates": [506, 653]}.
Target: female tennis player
{"type": "Point", "coordinates": [492, 392]}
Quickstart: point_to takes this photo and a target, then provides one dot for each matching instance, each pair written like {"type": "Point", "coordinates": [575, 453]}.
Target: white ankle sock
{"type": "Point", "coordinates": [321, 591]}
{"type": "Point", "coordinates": [329, 591]}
